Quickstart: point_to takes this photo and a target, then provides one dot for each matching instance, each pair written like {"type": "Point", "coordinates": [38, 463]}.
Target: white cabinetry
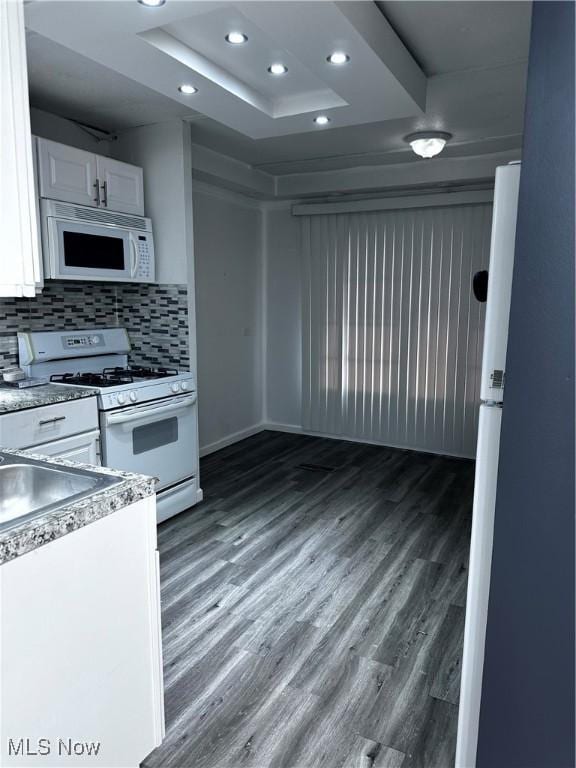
{"type": "Point", "coordinates": [76, 176]}
{"type": "Point", "coordinates": [84, 448]}
{"type": "Point", "coordinates": [69, 430]}
{"type": "Point", "coordinates": [67, 173]}
{"type": "Point", "coordinates": [34, 427]}
{"type": "Point", "coordinates": [20, 264]}
{"type": "Point", "coordinates": [81, 644]}
{"type": "Point", "coordinates": [121, 186]}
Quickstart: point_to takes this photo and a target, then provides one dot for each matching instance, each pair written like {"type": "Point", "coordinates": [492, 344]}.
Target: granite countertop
{"type": "Point", "coordinates": [14, 399]}
{"type": "Point", "coordinates": [31, 534]}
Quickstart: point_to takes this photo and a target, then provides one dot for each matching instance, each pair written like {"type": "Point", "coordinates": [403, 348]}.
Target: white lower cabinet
{"type": "Point", "coordinates": [69, 430]}
{"type": "Point", "coordinates": [48, 423]}
{"type": "Point", "coordinates": [84, 448]}
{"type": "Point", "coordinates": [80, 647]}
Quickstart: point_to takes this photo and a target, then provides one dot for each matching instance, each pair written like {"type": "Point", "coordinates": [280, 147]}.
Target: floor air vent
{"type": "Point", "coordinates": [315, 468]}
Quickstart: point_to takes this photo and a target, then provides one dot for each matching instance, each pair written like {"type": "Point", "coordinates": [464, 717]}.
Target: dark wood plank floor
{"type": "Point", "coordinates": [313, 608]}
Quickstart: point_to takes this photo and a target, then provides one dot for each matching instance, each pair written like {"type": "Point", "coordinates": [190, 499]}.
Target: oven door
{"type": "Point", "coordinates": [156, 439]}
{"type": "Point", "coordinates": [90, 251]}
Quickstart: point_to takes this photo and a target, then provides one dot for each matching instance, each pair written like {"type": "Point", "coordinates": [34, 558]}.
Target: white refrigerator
{"type": "Point", "coordinates": [487, 452]}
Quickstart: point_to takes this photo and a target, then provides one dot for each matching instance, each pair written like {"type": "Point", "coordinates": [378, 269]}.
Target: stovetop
{"type": "Point", "coordinates": [91, 379]}
{"type": "Point", "coordinates": [113, 377]}
{"type": "Point", "coordinates": [120, 387]}
{"type": "Point", "coordinates": [142, 372]}
{"type": "Point", "coordinates": [98, 358]}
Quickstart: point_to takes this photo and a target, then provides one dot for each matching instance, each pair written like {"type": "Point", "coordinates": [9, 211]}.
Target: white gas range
{"type": "Point", "coordinates": [148, 416]}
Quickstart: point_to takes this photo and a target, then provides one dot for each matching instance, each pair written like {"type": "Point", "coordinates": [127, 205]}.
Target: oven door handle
{"type": "Point", "coordinates": [149, 413]}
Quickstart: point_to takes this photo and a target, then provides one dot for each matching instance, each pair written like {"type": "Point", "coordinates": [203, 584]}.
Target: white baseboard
{"type": "Point", "coordinates": [235, 437]}
{"type": "Point", "coordinates": [296, 429]}
{"type": "Point", "coordinates": [274, 426]}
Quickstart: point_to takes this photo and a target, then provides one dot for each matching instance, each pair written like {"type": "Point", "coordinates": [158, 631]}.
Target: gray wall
{"type": "Point", "coordinates": [283, 315]}
{"type": "Point", "coordinates": [228, 256]}
{"type": "Point", "coordinates": [527, 713]}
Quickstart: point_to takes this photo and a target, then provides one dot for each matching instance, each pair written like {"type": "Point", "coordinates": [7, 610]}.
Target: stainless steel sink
{"type": "Point", "coordinates": [30, 488]}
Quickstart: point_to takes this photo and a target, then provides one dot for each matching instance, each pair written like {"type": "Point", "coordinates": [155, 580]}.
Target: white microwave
{"type": "Point", "coordinates": [82, 243]}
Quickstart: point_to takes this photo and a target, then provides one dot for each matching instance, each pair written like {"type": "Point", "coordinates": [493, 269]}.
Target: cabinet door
{"type": "Point", "coordinates": [83, 448]}
{"type": "Point", "coordinates": [20, 260]}
{"type": "Point", "coordinates": [81, 658]}
{"type": "Point", "coordinates": [38, 426]}
{"type": "Point", "coordinates": [67, 173]}
{"type": "Point", "coordinates": [121, 186]}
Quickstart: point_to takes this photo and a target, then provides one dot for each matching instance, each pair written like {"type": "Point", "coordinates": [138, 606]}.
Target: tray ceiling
{"type": "Point", "coordinates": [184, 42]}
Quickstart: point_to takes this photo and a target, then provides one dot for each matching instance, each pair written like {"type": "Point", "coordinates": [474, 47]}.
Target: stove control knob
{"type": "Point", "coordinates": [175, 387]}
{"type": "Point", "coordinates": [133, 396]}
{"type": "Point", "coordinates": [184, 386]}
{"type": "Point", "coordinates": [121, 398]}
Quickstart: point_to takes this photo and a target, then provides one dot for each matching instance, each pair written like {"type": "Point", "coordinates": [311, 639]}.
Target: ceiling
{"type": "Point", "coordinates": [70, 85]}
{"type": "Point", "coordinates": [451, 36]}
{"type": "Point", "coordinates": [454, 66]}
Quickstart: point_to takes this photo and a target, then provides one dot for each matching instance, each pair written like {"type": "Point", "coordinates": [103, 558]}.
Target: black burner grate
{"type": "Point", "coordinates": [104, 379]}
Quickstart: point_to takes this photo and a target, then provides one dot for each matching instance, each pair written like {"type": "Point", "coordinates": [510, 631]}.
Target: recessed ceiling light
{"type": "Point", "coordinates": [338, 57]}
{"type": "Point", "coordinates": [277, 69]}
{"type": "Point", "coordinates": [428, 143]}
{"type": "Point", "coordinates": [236, 38]}
{"type": "Point", "coordinates": [322, 120]}
{"type": "Point", "coordinates": [187, 89]}
{"type": "Point", "coordinates": [152, 3]}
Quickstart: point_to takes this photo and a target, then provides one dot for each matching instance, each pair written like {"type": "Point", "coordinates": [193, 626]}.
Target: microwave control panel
{"type": "Point", "coordinates": [145, 248]}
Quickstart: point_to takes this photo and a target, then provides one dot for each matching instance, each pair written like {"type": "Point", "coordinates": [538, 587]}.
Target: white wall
{"type": "Point", "coordinates": [283, 313]}
{"type": "Point", "coordinates": [164, 152]}
{"type": "Point", "coordinates": [228, 256]}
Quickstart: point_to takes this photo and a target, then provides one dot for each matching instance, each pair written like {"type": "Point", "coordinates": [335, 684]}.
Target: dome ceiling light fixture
{"type": "Point", "coordinates": [428, 143]}
{"type": "Point", "coordinates": [152, 3]}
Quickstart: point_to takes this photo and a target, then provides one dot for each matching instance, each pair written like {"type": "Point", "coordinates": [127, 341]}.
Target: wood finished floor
{"type": "Point", "coordinates": [313, 618]}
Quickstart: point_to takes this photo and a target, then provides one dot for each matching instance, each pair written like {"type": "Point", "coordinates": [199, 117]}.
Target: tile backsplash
{"type": "Point", "coordinates": [156, 317]}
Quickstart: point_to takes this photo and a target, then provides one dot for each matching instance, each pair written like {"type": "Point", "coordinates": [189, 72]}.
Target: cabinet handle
{"type": "Point", "coordinates": [96, 185]}
{"type": "Point", "coordinates": [105, 194]}
{"type": "Point", "coordinates": [51, 421]}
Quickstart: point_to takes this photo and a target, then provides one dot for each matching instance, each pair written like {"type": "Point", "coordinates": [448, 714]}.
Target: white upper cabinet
{"type": "Point", "coordinates": [20, 265]}
{"type": "Point", "coordinates": [76, 176]}
{"type": "Point", "coordinates": [67, 173]}
{"type": "Point", "coordinates": [121, 186]}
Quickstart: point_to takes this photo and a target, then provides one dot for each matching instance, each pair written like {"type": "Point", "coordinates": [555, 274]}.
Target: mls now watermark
{"type": "Point", "coordinates": [63, 747]}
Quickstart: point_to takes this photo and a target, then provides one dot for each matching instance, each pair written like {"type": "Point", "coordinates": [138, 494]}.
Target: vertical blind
{"type": "Point", "coordinates": [392, 334]}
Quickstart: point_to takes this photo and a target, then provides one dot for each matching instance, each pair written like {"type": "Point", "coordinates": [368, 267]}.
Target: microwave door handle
{"type": "Point", "coordinates": [149, 413]}
{"type": "Point", "coordinates": [135, 256]}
